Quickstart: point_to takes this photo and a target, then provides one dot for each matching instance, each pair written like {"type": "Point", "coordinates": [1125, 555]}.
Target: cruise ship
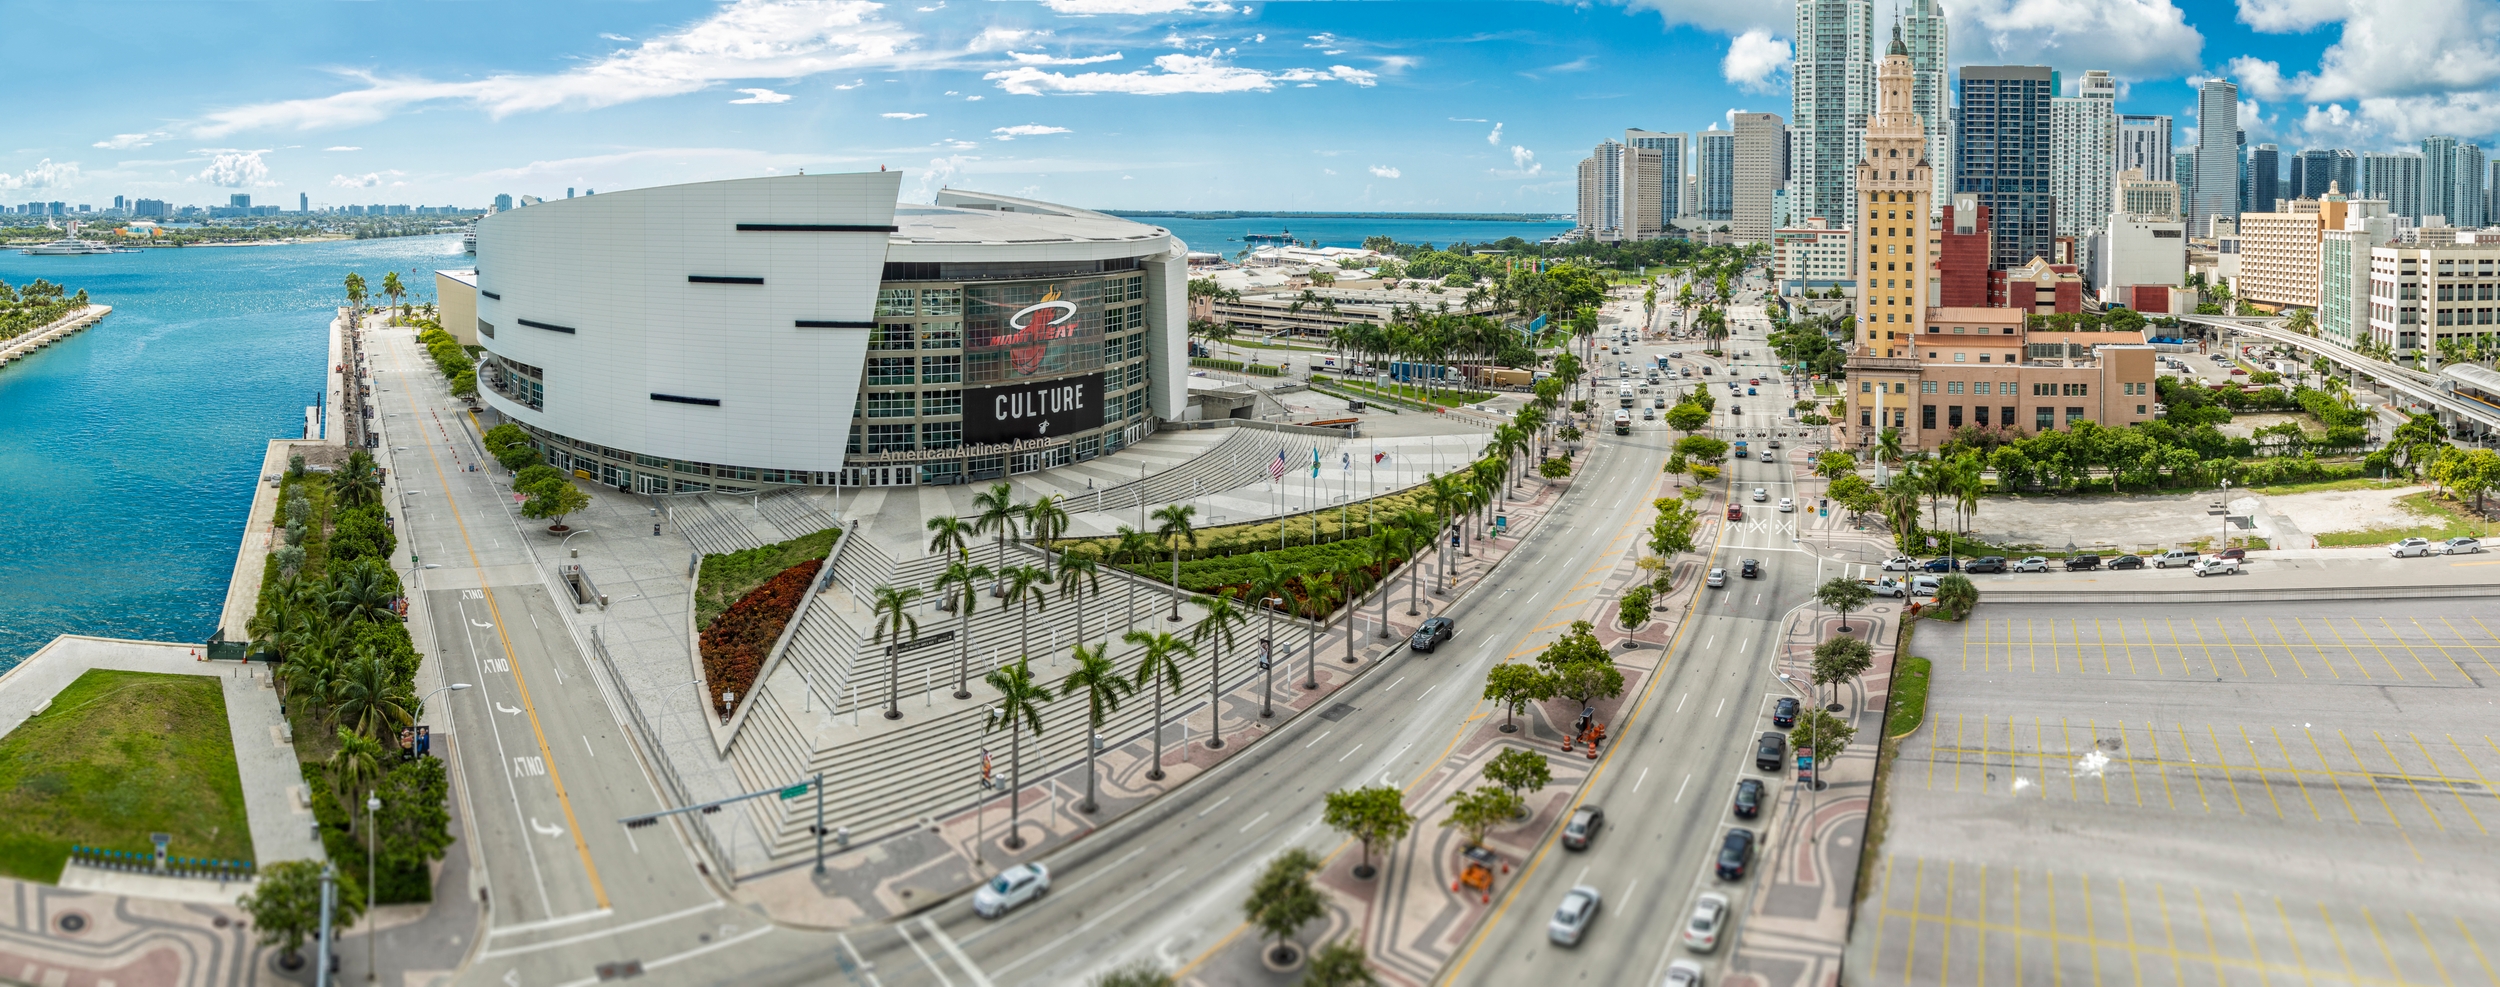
{"type": "Point", "coordinates": [74, 247]}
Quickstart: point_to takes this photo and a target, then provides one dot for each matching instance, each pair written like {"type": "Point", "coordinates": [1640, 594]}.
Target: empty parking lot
{"type": "Point", "coordinates": [2199, 794]}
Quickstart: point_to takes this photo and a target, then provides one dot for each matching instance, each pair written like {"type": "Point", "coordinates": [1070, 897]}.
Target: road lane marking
{"type": "Point", "coordinates": [1636, 783]}
{"type": "Point", "coordinates": [587, 936]}
{"type": "Point", "coordinates": [549, 923]}
{"type": "Point", "coordinates": [1349, 752]}
{"type": "Point", "coordinates": [926, 960]}
{"type": "Point", "coordinates": [1323, 735]}
{"type": "Point", "coordinates": [955, 952]}
{"type": "Point", "coordinates": [700, 950]}
{"type": "Point", "coordinates": [1089, 923]}
{"type": "Point", "coordinates": [1679, 789]}
{"type": "Point", "coordinates": [1219, 803]}
{"type": "Point", "coordinates": [1245, 827]}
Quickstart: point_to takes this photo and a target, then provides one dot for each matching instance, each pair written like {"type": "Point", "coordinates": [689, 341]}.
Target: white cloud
{"type": "Point", "coordinates": [615, 37]}
{"type": "Point", "coordinates": [1494, 138]}
{"type": "Point", "coordinates": [1026, 130]}
{"type": "Point", "coordinates": [234, 169]}
{"type": "Point", "coordinates": [853, 84]}
{"type": "Point", "coordinates": [2401, 69]}
{"type": "Point", "coordinates": [1339, 73]}
{"type": "Point", "coordinates": [941, 5]}
{"type": "Point", "coordinates": [972, 99]}
{"type": "Point", "coordinates": [746, 39]}
{"type": "Point", "coordinates": [2258, 77]}
{"type": "Point", "coordinates": [45, 174]}
{"type": "Point", "coordinates": [1137, 7]}
{"type": "Point", "coordinates": [2291, 16]}
{"type": "Point", "coordinates": [1755, 61]}
{"type": "Point", "coordinates": [343, 147]}
{"type": "Point", "coordinates": [1725, 17]}
{"type": "Point", "coordinates": [997, 38]}
{"type": "Point", "coordinates": [1176, 74]}
{"type": "Point", "coordinates": [1467, 120]}
{"type": "Point", "coordinates": [942, 172]}
{"type": "Point", "coordinates": [366, 180]}
{"type": "Point", "coordinates": [124, 142]}
{"type": "Point", "coordinates": [1524, 159]}
{"type": "Point", "coordinates": [1038, 58]}
{"type": "Point", "coordinates": [2132, 38]}
{"type": "Point", "coordinates": [1328, 171]}
{"type": "Point", "coordinates": [902, 116]}
{"type": "Point", "coordinates": [1384, 171]}
{"type": "Point", "coordinates": [762, 96]}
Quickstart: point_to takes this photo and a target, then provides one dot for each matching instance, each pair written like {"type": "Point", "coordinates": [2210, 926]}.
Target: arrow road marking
{"type": "Point", "coordinates": [501, 708]}
{"type": "Point", "coordinates": [545, 830]}
{"type": "Point", "coordinates": [475, 623]}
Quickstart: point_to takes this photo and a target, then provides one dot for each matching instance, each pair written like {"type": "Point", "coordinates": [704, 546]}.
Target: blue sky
{"type": "Point", "coordinates": [1207, 104]}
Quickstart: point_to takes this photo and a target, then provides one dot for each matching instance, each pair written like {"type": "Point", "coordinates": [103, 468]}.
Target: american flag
{"type": "Point", "coordinates": [1276, 470]}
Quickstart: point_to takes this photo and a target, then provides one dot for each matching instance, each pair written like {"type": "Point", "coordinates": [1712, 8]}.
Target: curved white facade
{"type": "Point", "coordinates": [785, 329]}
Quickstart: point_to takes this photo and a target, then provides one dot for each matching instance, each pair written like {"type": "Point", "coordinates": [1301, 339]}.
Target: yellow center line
{"type": "Point", "coordinates": [598, 888]}
{"type": "Point", "coordinates": [1558, 606]}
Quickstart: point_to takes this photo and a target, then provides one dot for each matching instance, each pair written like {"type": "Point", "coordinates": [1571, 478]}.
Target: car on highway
{"type": "Point", "coordinates": [1942, 563]}
{"type": "Point", "coordinates": [1431, 633]}
{"type": "Point", "coordinates": [1750, 568]}
{"type": "Point", "coordinates": [2032, 563]}
{"type": "Point", "coordinates": [1734, 411]}
{"type": "Point", "coordinates": [1649, 414]}
{"type": "Point", "coordinates": [1900, 563]}
{"type": "Point", "coordinates": [1986, 563]}
{"type": "Point", "coordinates": [2127, 562]}
{"type": "Point", "coordinates": [1571, 918]}
{"type": "Point", "coordinates": [2176, 556]}
{"type": "Point", "coordinates": [1775, 443]}
{"type": "Point", "coordinates": [2460, 545]}
{"type": "Point", "coordinates": [2216, 567]}
{"type": "Point", "coordinates": [1718, 578]}
{"type": "Point", "coordinates": [2232, 553]}
{"type": "Point", "coordinates": [1769, 749]}
{"type": "Point", "coordinates": [2238, 372]}
{"type": "Point", "coordinates": [1706, 371]}
{"type": "Point", "coordinates": [1748, 802]}
{"type": "Point", "coordinates": [1787, 505]}
{"type": "Point", "coordinates": [1583, 827]}
{"type": "Point", "coordinates": [1760, 495]}
{"type": "Point", "coordinates": [2410, 547]}
{"type": "Point", "coordinates": [1701, 932]}
{"type": "Point", "coordinates": [1735, 852]}
{"type": "Point", "coordinates": [2083, 562]}
{"type": "Point", "coordinates": [1784, 712]}
{"type": "Point", "coordinates": [1013, 886]}
{"type": "Point", "coordinates": [1682, 973]}
{"type": "Point", "coordinates": [1735, 512]}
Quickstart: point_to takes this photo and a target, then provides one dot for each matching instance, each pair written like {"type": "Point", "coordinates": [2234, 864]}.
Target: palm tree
{"type": "Point", "coordinates": [1159, 665]}
{"type": "Point", "coordinates": [1133, 545]}
{"type": "Point", "coordinates": [1269, 581]}
{"type": "Point", "coordinates": [1078, 577]}
{"type": "Point", "coordinates": [369, 701]}
{"type": "Point", "coordinates": [1019, 703]}
{"type": "Point", "coordinates": [1024, 588]}
{"type": "Point", "coordinates": [893, 610]}
{"type": "Point", "coordinates": [392, 289]}
{"type": "Point", "coordinates": [1174, 530]}
{"type": "Point", "coordinates": [1046, 520]}
{"type": "Point", "coordinates": [1216, 633]}
{"type": "Point", "coordinates": [959, 588]}
{"type": "Point", "coordinates": [1357, 583]}
{"type": "Point", "coordinates": [354, 484]}
{"type": "Point", "coordinates": [1888, 445]}
{"type": "Point", "coordinates": [355, 291]}
{"type": "Point", "coordinates": [1414, 530]}
{"type": "Point", "coordinates": [1319, 597]}
{"type": "Point", "coordinates": [363, 591]}
{"type": "Point", "coordinates": [355, 767]}
{"type": "Point", "coordinates": [947, 531]}
{"type": "Point", "coordinates": [999, 512]}
{"type": "Point", "coordinates": [1102, 686]}
{"type": "Point", "coordinates": [310, 667]}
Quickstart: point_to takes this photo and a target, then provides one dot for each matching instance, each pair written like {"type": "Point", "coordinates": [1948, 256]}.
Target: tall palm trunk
{"type": "Point", "coordinates": [1310, 655]}
{"type": "Point", "coordinates": [1090, 732]}
{"type": "Point", "coordinates": [1157, 772]}
{"type": "Point", "coordinates": [963, 646]}
{"type": "Point", "coordinates": [894, 681]}
{"type": "Point", "coordinates": [1015, 785]}
{"type": "Point", "coordinates": [1215, 697]}
{"type": "Point", "coordinates": [1176, 579]}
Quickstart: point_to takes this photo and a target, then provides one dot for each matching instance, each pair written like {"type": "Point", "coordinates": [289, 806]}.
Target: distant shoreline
{"type": "Point", "coordinates": [1470, 217]}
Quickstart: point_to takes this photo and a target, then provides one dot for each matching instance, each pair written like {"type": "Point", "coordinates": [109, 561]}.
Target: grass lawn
{"type": "Point", "coordinates": [1410, 392]}
{"type": "Point", "coordinates": [117, 756]}
{"type": "Point", "coordinates": [1908, 703]}
{"type": "Point", "coordinates": [730, 576]}
{"type": "Point", "coordinates": [2439, 524]}
{"type": "Point", "coordinates": [2331, 486]}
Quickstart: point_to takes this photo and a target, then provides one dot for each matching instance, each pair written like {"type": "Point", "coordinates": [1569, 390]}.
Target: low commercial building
{"type": "Point", "coordinates": [1813, 257]}
{"type": "Point", "coordinates": [455, 295]}
{"type": "Point", "coordinates": [2344, 267]}
{"type": "Point", "coordinates": [1980, 368]}
{"type": "Point", "coordinates": [2140, 251]}
{"type": "Point", "coordinates": [808, 330]}
{"type": "Point", "coordinates": [2037, 286]}
{"type": "Point", "coordinates": [2421, 297]}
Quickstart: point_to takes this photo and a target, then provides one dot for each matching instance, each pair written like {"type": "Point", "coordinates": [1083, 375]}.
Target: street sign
{"type": "Point", "coordinates": [794, 791]}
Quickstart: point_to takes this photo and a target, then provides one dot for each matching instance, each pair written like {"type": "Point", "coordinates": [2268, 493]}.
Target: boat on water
{"type": "Point", "coordinates": [468, 242]}
{"type": "Point", "coordinates": [74, 247]}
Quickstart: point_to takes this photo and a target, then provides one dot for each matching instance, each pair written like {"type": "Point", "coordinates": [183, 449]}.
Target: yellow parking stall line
{"type": "Point", "coordinates": [2382, 793]}
{"type": "Point", "coordinates": [2330, 768]}
{"type": "Point", "coordinates": [2454, 791]}
{"type": "Point", "coordinates": [2022, 929]}
{"type": "Point", "coordinates": [2227, 776]}
{"type": "Point", "coordinates": [2154, 734]}
{"type": "Point", "coordinates": [2210, 665]}
{"type": "Point", "coordinates": [2335, 937]}
{"type": "Point", "coordinates": [2201, 797]}
{"type": "Point", "coordinates": [2123, 649]}
{"type": "Point", "coordinates": [2289, 763]}
{"type": "Point", "coordinates": [2031, 645]}
{"type": "Point", "coordinates": [2232, 647]}
{"type": "Point", "coordinates": [2355, 652]}
{"type": "Point", "coordinates": [2488, 972]}
{"type": "Point", "coordinates": [1918, 893]}
{"type": "Point", "coordinates": [2062, 937]}
{"type": "Point", "coordinates": [1957, 762]}
{"type": "Point", "coordinates": [2399, 772]}
{"type": "Point", "coordinates": [2381, 937]}
{"type": "Point", "coordinates": [2288, 650]}
{"type": "Point", "coordinates": [2057, 959]}
{"type": "Point", "coordinates": [2260, 645]}
{"type": "Point", "coordinates": [2127, 916]}
{"type": "Point", "coordinates": [2170, 937]}
{"type": "Point", "coordinates": [2306, 971]}
{"type": "Point", "coordinates": [2320, 649]}
{"type": "Point", "coordinates": [2040, 746]}
{"type": "Point", "coordinates": [2445, 654]}
{"type": "Point", "coordinates": [1883, 894]}
{"type": "Point", "coordinates": [1983, 932]}
{"type": "Point", "coordinates": [2135, 775]}
{"type": "Point", "coordinates": [2091, 930]}
{"type": "Point", "coordinates": [2106, 667]}
{"type": "Point", "coordinates": [1944, 954]}
{"type": "Point", "coordinates": [2248, 930]}
{"type": "Point", "coordinates": [2469, 763]}
{"type": "Point", "coordinates": [2408, 646]}
{"type": "Point", "coordinates": [2092, 731]}
{"type": "Point", "coordinates": [2261, 772]}
{"type": "Point", "coordinates": [2478, 651]}
{"type": "Point", "coordinates": [1966, 648]}
{"type": "Point", "coordinates": [2073, 790]}
{"type": "Point", "coordinates": [2427, 950]}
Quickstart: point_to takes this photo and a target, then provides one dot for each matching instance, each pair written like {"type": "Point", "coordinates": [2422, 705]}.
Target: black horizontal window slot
{"type": "Point", "coordinates": [720, 279]}
{"type": "Point", "coordinates": [681, 399]}
{"type": "Point", "coordinates": [490, 294]}
{"type": "Point", "coordinates": [812, 228]}
{"type": "Point", "coordinates": [833, 324]}
{"type": "Point", "coordinates": [535, 324]}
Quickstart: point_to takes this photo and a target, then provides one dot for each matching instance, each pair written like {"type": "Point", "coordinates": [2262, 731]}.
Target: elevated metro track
{"type": "Point", "coordinates": [2420, 390]}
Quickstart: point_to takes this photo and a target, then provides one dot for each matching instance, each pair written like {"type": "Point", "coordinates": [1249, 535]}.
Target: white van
{"type": "Point", "coordinates": [1627, 395]}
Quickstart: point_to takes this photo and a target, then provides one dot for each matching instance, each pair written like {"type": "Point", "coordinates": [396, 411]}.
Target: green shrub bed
{"type": "Point", "coordinates": [736, 643]}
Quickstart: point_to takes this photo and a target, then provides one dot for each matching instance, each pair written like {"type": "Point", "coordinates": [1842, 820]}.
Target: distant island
{"type": "Point", "coordinates": [1471, 217]}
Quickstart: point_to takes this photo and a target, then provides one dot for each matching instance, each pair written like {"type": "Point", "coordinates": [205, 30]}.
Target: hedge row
{"type": "Point", "coordinates": [1236, 366]}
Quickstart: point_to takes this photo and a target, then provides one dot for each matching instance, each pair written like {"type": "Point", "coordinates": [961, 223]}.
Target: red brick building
{"type": "Point", "coordinates": [1962, 254]}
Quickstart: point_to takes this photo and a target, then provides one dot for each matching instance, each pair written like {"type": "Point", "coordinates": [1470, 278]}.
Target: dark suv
{"type": "Point", "coordinates": [1748, 798]}
{"type": "Point", "coordinates": [1752, 569]}
{"type": "Point", "coordinates": [1784, 712]}
{"type": "Point", "coordinates": [1986, 563]}
{"type": "Point", "coordinates": [2082, 562]}
{"type": "Point", "coordinates": [1434, 631]}
{"type": "Point", "coordinates": [1735, 852]}
{"type": "Point", "coordinates": [1770, 751]}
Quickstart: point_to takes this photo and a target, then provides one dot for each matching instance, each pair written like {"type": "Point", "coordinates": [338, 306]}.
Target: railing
{"type": "Point", "coordinates": [673, 789]}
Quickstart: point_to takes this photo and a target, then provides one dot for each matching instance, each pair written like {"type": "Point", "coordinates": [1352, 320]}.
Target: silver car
{"type": "Point", "coordinates": [2460, 546]}
{"type": "Point", "coordinates": [1682, 973]}
{"type": "Point", "coordinates": [2032, 564]}
{"type": "Point", "coordinates": [2411, 547]}
{"type": "Point", "coordinates": [1572, 917]}
{"type": "Point", "coordinates": [1701, 933]}
{"type": "Point", "coordinates": [1013, 886]}
{"type": "Point", "coordinates": [1718, 578]}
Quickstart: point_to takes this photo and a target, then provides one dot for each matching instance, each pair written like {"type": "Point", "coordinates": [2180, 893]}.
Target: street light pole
{"type": "Point", "coordinates": [373, 804]}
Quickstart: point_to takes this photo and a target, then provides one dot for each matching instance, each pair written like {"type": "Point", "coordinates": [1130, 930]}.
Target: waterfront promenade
{"type": "Point", "coordinates": [60, 329]}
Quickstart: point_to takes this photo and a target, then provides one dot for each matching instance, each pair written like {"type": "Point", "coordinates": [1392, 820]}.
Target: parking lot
{"type": "Point", "coordinates": [2234, 794]}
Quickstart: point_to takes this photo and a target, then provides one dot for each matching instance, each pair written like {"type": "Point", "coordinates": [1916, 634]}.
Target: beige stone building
{"type": "Point", "coordinates": [1900, 276]}
{"type": "Point", "coordinates": [1978, 367]}
{"type": "Point", "coordinates": [2278, 253]}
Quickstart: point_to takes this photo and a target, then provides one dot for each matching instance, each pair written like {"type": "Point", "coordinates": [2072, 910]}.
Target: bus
{"type": "Point", "coordinates": [1623, 422]}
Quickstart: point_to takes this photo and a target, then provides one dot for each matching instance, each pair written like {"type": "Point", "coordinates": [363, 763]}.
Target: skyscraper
{"type": "Point", "coordinates": [1899, 282]}
{"type": "Point", "coordinates": [1714, 169]}
{"type": "Point", "coordinates": [1833, 79]}
{"type": "Point", "coordinates": [2216, 187]}
{"type": "Point", "coordinates": [1672, 150]}
{"type": "Point", "coordinates": [503, 202]}
{"type": "Point", "coordinates": [1761, 166]}
{"type": "Point", "coordinates": [1931, 87]}
{"type": "Point", "coordinates": [2439, 178]}
{"type": "Point", "coordinates": [2083, 147]}
{"type": "Point", "coordinates": [2183, 171]}
{"type": "Point", "coordinates": [2395, 179]}
{"type": "Point", "coordinates": [2144, 145]}
{"type": "Point", "coordinates": [2001, 151]}
{"type": "Point", "coordinates": [2315, 169]}
{"type": "Point", "coordinates": [2473, 200]}
{"type": "Point", "coordinates": [2265, 179]}
{"type": "Point", "coordinates": [1643, 171]}
{"type": "Point", "coordinates": [239, 200]}
{"type": "Point", "coordinates": [303, 202]}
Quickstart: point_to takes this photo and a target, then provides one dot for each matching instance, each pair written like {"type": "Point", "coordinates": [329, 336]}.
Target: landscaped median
{"type": "Point", "coordinates": [1234, 366]}
{"type": "Point", "coordinates": [743, 600]}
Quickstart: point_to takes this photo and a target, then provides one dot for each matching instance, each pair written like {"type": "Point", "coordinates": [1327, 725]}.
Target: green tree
{"type": "Point", "coordinates": [959, 587]}
{"type": "Point", "coordinates": [1217, 632]}
{"type": "Point", "coordinates": [355, 290]}
{"type": "Point", "coordinates": [1515, 686]}
{"type": "Point", "coordinates": [1019, 705]}
{"type": "Point", "coordinates": [285, 905]}
{"type": "Point", "coordinates": [1585, 682]}
{"type": "Point", "coordinates": [355, 485]}
{"type": "Point", "coordinates": [414, 826]}
{"type": "Point", "coordinates": [1687, 417]}
{"type": "Point", "coordinates": [1100, 682]}
{"type": "Point", "coordinates": [370, 701]}
{"type": "Point", "coordinates": [892, 606]}
{"type": "Point", "coordinates": [1024, 592]}
{"type": "Point", "coordinates": [1855, 494]}
{"type": "Point", "coordinates": [1046, 520]}
{"type": "Point", "coordinates": [1339, 964]}
{"type": "Point", "coordinates": [1158, 664]}
{"type": "Point", "coordinates": [553, 501]}
{"type": "Point", "coordinates": [947, 533]}
{"type": "Point", "coordinates": [1373, 816]}
{"type": "Point", "coordinates": [1524, 772]}
{"type": "Point", "coordinates": [1956, 595]}
{"type": "Point", "coordinates": [1143, 973]}
{"type": "Point", "coordinates": [353, 770]}
{"type": "Point", "coordinates": [1843, 594]}
{"type": "Point", "coordinates": [1831, 465]}
{"type": "Point", "coordinates": [1701, 447]}
{"type": "Point", "coordinates": [1840, 659]}
{"type": "Point", "coordinates": [1825, 734]}
{"type": "Point", "coordinates": [1283, 900]}
{"type": "Point", "coordinates": [1581, 645]}
{"type": "Point", "coordinates": [1174, 528]}
{"type": "Point", "coordinates": [1672, 532]}
{"type": "Point", "coordinates": [999, 513]}
{"type": "Point", "coordinates": [1554, 469]}
{"type": "Point", "coordinates": [393, 289]}
{"type": "Point", "coordinates": [1475, 811]}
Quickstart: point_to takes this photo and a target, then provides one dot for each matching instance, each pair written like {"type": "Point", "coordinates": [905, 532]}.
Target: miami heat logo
{"type": "Point", "coordinates": [1032, 328]}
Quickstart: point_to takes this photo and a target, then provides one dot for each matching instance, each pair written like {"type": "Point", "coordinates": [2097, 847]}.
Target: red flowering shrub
{"type": "Point", "coordinates": [738, 641]}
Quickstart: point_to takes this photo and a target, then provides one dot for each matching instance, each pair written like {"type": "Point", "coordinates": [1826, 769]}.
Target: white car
{"type": "Point", "coordinates": [1900, 563]}
{"type": "Point", "coordinates": [1682, 973]}
{"type": "Point", "coordinates": [1701, 933]}
{"type": "Point", "coordinates": [2460, 546]}
{"type": "Point", "coordinates": [1788, 505]}
{"type": "Point", "coordinates": [1572, 917]}
{"type": "Point", "coordinates": [1761, 496]}
{"type": "Point", "coordinates": [2410, 547]}
{"type": "Point", "coordinates": [1718, 578]}
{"type": "Point", "coordinates": [1013, 886]}
{"type": "Point", "coordinates": [2032, 564]}
{"type": "Point", "coordinates": [2216, 567]}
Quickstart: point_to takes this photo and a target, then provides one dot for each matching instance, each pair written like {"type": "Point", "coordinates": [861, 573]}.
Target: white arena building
{"type": "Point", "coordinates": [810, 330]}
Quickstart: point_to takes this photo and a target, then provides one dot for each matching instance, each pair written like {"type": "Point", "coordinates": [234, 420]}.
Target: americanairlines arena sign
{"type": "Point", "coordinates": [1033, 410]}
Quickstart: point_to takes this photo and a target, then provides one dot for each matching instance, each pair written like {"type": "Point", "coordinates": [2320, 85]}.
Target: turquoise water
{"type": "Point", "coordinates": [128, 452]}
{"type": "Point", "coordinates": [1224, 235]}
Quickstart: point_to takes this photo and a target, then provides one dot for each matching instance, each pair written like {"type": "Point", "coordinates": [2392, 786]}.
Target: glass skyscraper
{"type": "Point", "coordinates": [2001, 151]}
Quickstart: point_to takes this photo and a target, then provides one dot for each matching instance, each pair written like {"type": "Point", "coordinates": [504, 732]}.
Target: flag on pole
{"type": "Point", "coordinates": [985, 766]}
{"type": "Point", "coordinates": [1315, 462]}
{"type": "Point", "coordinates": [1276, 470]}
{"type": "Point", "coordinates": [1379, 458]}
{"type": "Point", "coordinates": [1345, 461]}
